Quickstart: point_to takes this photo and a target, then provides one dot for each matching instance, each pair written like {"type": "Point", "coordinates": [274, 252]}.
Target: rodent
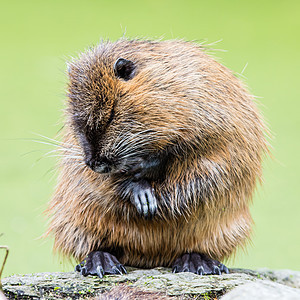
{"type": "Point", "coordinates": [163, 149]}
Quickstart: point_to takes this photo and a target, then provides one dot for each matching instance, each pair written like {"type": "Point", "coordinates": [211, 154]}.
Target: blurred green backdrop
{"type": "Point", "coordinates": [38, 36]}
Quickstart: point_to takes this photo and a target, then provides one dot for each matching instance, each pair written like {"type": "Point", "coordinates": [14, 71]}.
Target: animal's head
{"type": "Point", "coordinates": [127, 101]}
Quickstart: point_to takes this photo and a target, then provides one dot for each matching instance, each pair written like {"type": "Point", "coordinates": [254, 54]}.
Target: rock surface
{"type": "Point", "coordinates": [261, 290]}
{"type": "Point", "coordinates": [157, 283]}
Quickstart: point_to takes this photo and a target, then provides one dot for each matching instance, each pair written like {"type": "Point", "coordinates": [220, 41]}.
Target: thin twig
{"type": "Point", "coordinates": [4, 261]}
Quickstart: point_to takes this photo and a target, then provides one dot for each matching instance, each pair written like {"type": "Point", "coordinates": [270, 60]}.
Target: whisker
{"type": "Point", "coordinates": [64, 151]}
{"type": "Point", "coordinates": [137, 144]}
{"type": "Point", "coordinates": [33, 151]}
{"type": "Point", "coordinates": [56, 145]}
{"type": "Point", "coordinates": [53, 140]}
{"type": "Point", "coordinates": [66, 156]}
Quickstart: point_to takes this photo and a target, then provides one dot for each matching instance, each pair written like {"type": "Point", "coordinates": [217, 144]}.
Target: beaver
{"type": "Point", "coordinates": [163, 148]}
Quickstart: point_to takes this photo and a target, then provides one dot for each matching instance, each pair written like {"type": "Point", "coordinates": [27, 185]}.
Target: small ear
{"type": "Point", "coordinates": [124, 68]}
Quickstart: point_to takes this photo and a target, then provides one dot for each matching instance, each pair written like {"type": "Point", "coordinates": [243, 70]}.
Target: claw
{"type": "Point", "coordinates": [224, 269]}
{"type": "Point", "coordinates": [123, 270]}
{"type": "Point", "coordinates": [116, 270]}
{"type": "Point", "coordinates": [83, 271]}
{"type": "Point", "coordinates": [77, 268]}
{"type": "Point", "coordinates": [199, 264]}
{"type": "Point", "coordinates": [200, 270]}
{"type": "Point", "coordinates": [137, 203]}
{"type": "Point", "coordinates": [100, 263]}
{"type": "Point", "coordinates": [100, 271]}
{"type": "Point", "coordinates": [152, 209]}
{"type": "Point", "coordinates": [216, 270]}
{"type": "Point", "coordinates": [144, 204]}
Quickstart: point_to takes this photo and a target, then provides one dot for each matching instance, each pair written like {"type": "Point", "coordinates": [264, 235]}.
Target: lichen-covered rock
{"type": "Point", "coordinates": [286, 277]}
{"type": "Point", "coordinates": [126, 292]}
{"type": "Point", "coordinates": [159, 282]}
{"type": "Point", "coordinates": [192, 284]}
{"type": "Point", "coordinates": [51, 286]}
{"type": "Point", "coordinates": [263, 290]}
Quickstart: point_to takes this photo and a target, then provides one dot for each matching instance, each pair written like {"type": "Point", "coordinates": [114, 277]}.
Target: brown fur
{"type": "Point", "coordinates": [197, 108]}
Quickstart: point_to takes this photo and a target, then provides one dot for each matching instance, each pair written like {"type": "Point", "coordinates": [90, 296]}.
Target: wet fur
{"type": "Point", "coordinates": [182, 109]}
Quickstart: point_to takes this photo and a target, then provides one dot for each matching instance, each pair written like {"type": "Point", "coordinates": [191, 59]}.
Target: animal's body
{"type": "Point", "coordinates": [164, 149]}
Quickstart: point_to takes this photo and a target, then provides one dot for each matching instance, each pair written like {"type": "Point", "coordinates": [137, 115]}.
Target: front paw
{"type": "Point", "coordinates": [143, 199]}
{"type": "Point", "coordinates": [100, 263]}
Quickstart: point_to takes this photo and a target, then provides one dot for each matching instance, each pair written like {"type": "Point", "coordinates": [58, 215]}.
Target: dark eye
{"type": "Point", "coordinates": [124, 68]}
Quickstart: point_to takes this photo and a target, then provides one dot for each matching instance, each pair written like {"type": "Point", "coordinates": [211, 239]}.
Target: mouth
{"type": "Point", "coordinates": [102, 169]}
{"type": "Point", "coordinates": [101, 166]}
{"type": "Point", "coordinates": [129, 168]}
{"type": "Point", "coordinates": [107, 168]}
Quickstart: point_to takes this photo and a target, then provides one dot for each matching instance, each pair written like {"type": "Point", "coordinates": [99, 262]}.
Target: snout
{"type": "Point", "coordinates": [100, 165]}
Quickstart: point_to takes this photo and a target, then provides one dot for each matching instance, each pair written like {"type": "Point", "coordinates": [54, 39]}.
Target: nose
{"type": "Point", "coordinates": [100, 165]}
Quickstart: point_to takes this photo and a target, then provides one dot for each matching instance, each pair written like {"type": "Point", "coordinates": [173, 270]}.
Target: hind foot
{"type": "Point", "coordinates": [199, 264]}
{"type": "Point", "coordinates": [100, 263]}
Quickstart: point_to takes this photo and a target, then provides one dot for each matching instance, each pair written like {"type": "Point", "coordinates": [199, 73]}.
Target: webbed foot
{"type": "Point", "coordinates": [199, 264]}
{"type": "Point", "coordinates": [100, 263]}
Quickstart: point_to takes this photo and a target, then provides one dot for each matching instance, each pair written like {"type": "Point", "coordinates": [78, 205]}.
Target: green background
{"type": "Point", "coordinates": [38, 36]}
